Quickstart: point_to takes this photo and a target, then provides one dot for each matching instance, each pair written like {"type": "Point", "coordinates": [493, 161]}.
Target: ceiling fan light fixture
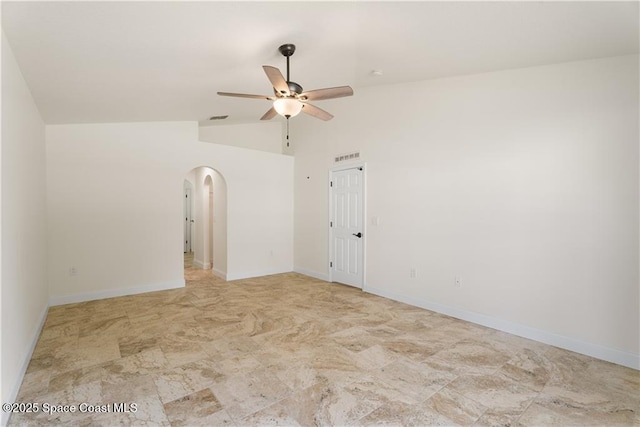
{"type": "Point", "coordinates": [287, 107]}
{"type": "Point", "coordinates": [289, 98]}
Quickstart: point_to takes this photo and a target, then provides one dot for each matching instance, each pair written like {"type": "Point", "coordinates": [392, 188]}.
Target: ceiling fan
{"type": "Point", "coordinates": [289, 99]}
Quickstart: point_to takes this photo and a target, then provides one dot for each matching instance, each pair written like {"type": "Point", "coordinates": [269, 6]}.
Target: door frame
{"type": "Point", "coordinates": [187, 192]}
{"type": "Point", "coordinates": [363, 166]}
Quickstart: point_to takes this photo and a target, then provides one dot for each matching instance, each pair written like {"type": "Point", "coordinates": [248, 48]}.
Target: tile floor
{"type": "Point", "coordinates": [291, 350]}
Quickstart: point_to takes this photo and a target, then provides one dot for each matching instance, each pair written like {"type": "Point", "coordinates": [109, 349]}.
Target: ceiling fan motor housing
{"type": "Point", "coordinates": [294, 88]}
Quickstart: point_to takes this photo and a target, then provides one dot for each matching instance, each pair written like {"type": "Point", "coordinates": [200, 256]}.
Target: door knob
{"type": "Point", "coordinates": [358, 235]}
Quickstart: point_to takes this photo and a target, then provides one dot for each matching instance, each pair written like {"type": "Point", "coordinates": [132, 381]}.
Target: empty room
{"type": "Point", "coordinates": [320, 213]}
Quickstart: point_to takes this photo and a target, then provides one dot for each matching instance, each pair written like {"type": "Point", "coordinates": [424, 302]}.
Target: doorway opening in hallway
{"type": "Point", "coordinates": [205, 222]}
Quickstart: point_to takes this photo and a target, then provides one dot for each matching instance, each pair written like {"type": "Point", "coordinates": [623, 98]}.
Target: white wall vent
{"type": "Point", "coordinates": [347, 157]}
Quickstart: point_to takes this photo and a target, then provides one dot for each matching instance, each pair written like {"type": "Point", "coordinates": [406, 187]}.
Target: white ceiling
{"type": "Point", "coordinates": [146, 61]}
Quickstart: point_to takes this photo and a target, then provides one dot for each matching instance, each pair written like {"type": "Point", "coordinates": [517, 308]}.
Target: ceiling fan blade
{"type": "Point", "coordinates": [328, 93]}
{"type": "Point", "coordinates": [276, 79]}
{"type": "Point", "coordinates": [316, 112]}
{"type": "Point", "coordinates": [245, 95]}
{"type": "Point", "coordinates": [269, 114]}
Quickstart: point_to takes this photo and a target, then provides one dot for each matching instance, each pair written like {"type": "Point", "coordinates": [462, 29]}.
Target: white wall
{"type": "Point", "coordinates": [220, 225]}
{"type": "Point", "coordinates": [263, 136]}
{"type": "Point", "coordinates": [122, 239]}
{"type": "Point", "coordinates": [24, 280]}
{"type": "Point", "coordinates": [524, 183]}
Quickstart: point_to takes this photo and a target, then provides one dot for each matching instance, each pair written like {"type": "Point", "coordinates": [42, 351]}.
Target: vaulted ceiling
{"type": "Point", "coordinates": [146, 61]}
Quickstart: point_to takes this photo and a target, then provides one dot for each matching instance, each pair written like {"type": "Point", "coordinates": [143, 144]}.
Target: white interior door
{"type": "Point", "coordinates": [187, 220]}
{"type": "Point", "coordinates": [347, 227]}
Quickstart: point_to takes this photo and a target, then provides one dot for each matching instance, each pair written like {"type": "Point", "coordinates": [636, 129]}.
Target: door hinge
{"type": "Point", "coordinates": [330, 223]}
{"type": "Point", "coordinates": [331, 264]}
{"type": "Point", "coordinates": [331, 183]}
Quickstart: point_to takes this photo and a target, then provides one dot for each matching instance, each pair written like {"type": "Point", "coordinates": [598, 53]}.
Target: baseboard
{"type": "Point", "coordinates": [251, 274]}
{"type": "Point", "coordinates": [315, 275]}
{"type": "Point", "coordinates": [201, 264]}
{"type": "Point", "coordinates": [219, 273]}
{"type": "Point", "coordinates": [629, 360]}
{"type": "Point", "coordinates": [25, 363]}
{"type": "Point", "coordinates": [111, 293]}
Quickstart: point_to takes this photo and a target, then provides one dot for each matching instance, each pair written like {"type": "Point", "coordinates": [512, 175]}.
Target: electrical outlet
{"type": "Point", "coordinates": [458, 282]}
{"type": "Point", "coordinates": [413, 273]}
{"type": "Point", "coordinates": [73, 271]}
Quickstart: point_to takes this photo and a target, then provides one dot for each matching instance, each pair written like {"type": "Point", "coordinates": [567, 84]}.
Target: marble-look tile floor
{"type": "Point", "coordinates": [291, 350]}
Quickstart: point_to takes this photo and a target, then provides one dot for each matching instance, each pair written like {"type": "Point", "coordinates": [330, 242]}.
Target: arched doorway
{"type": "Point", "coordinates": [209, 220]}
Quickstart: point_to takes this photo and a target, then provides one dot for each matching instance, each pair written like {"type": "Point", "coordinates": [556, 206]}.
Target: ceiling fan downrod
{"type": "Point", "coordinates": [287, 50]}
{"type": "Point", "coordinates": [288, 78]}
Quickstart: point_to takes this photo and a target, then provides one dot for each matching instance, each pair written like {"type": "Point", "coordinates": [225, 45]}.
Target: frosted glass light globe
{"type": "Point", "coordinates": [290, 107]}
